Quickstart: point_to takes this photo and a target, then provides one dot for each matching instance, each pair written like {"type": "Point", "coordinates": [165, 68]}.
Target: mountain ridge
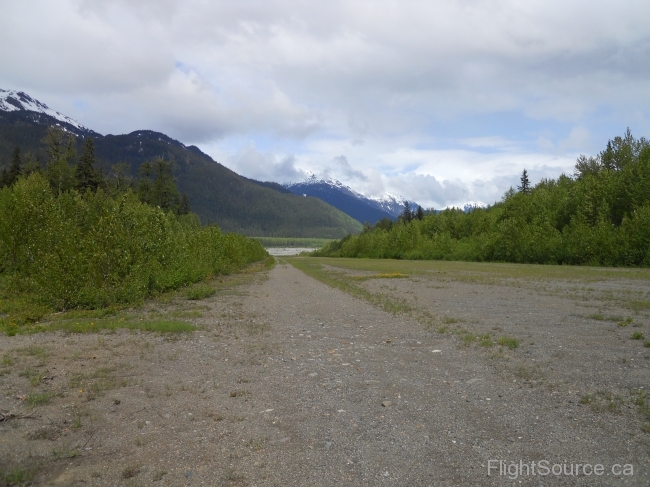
{"type": "Point", "coordinates": [216, 193]}
{"type": "Point", "coordinates": [355, 204]}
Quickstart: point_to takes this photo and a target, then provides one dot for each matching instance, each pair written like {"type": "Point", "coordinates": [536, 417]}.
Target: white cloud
{"type": "Point", "coordinates": [465, 92]}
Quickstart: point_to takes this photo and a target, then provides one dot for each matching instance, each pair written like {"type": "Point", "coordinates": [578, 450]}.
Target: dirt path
{"type": "Point", "coordinates": [295, 383]}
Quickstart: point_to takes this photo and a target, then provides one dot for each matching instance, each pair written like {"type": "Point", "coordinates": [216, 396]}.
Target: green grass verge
{"type": "Point", "coordinates": [482, 271]}
{"type": "Point", "coordinates": [94, 326]}
{"type": "Point", "coordinates": [347, 284]}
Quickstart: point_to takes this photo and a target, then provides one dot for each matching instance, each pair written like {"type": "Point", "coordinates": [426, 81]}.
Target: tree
{"type": "Point", "coordinates": [16, 168]}
{"type": "Point", "coordinates": [525, 183]}
{"type": "Point", "coordinates": [119, 178]}
{"type": "Point", "coordinates": [60, 150]}
{"type": "Point", "coordinates": [86, 176]}
{"type": "Point", "coordinates": [419, 214]}
{"type": "Point", "coordinates": [160, 191]}
{"type": "Point", "coordinates": [9, 177]}
{"type": "Point", "coordinates": [184, 205]}
{"type": "Point", "coordinates": [385, 224]}
{"type": "Point", "coordinates": [407, 215]}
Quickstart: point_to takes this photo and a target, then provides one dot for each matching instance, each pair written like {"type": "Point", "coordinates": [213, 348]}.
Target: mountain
{"type": "Point", "coordinates": [392, 204]}
{"type": "Point", "coordinates": [349, 201]}
{"type": "Point", "coordinates": [19, 106]}
{"type": "Point", "coordinates": [340, 196]}
{"type": "Point", "coordinates": [217, 194]}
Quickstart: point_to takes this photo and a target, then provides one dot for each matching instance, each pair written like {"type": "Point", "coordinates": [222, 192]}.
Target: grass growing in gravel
{"type": "Point", "coordinates": [508, 342]}
{"type": "Point", "coordinates": [34, 400]}
{"type": "Point", "coordinates": [200, 291]}
{"type": "Point", "coordinates": [94, 326]}
{"type": "Point", "coordinates": [572, 282]}
{"type": "Point", "coordinates": [340, 280]}
{"type": "Point", "coordinates": [16, 476]}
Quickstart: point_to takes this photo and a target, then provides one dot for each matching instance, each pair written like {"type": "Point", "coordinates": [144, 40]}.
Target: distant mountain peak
{"type": "Point", "coordinates": [13, 101]}
{"type": "Point", "coordinates": [348, 200]}
{"type": "Point", "coordinates": [312, 180]}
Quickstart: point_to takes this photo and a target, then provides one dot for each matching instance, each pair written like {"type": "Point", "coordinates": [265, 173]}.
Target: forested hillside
{"type": "Point", "coordinates": [599, 215]}
{"type": "Point", "coordinates": [215, 193]}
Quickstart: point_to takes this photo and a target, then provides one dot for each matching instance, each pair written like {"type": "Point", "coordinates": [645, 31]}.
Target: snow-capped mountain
{"type": "Point", "coordinates": [349, 201]}
{"type": "Point", "coordinates": [19, 103]}
{"type": "Point", "coordinates": [392, 204]}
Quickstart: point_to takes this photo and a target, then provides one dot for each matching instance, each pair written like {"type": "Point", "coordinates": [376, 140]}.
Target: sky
{"type": "Point", "coordinates": [442, 102]}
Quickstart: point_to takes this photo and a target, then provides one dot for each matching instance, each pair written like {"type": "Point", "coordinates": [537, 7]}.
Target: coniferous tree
{"type": "Point", "coordinates": [407, 216]}
{"type": "Point", "coordinates": [160, 191]}
{"type": "Point", "coordinates": [525, 183]}
{"type": "Point", "coordinates": [184, 206]}
{"type": "Point", "coordinates": [419, 213]}
{"type": "Point", "coordinates": [16, 168]}
{"type": "Point", "coordinates": [86, 176]}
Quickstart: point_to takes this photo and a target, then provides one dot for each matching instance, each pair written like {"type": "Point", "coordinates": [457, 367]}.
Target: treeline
{"type": "Point", "coordinates": [73, 238]}
{"type": "Point", "coordinates": [600, 215]}
{"type": "Point", "coordinates": [65, 171]}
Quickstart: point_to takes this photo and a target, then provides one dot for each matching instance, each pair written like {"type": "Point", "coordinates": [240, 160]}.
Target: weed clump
{"type": "Point", "coordinates": [508, 342]}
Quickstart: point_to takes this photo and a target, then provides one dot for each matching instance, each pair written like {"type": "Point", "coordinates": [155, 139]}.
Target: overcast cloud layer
{"type": "Point", "coordinates": [441, 101]}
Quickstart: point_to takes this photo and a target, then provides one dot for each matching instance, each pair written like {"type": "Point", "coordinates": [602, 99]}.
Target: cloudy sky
{"type": "Point", "coordinates": [440, 101]}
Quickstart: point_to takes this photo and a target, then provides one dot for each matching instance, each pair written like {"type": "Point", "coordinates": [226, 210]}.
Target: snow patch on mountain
{"type": "Point", "coordinates": [388, 202]}
{"type": "Point", "coordinates": [313, 179]}
{"type": "Point", "coordinates": [11, 101]}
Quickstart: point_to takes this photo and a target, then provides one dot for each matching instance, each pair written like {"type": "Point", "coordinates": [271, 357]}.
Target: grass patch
{"type": "Point", "coordinates": [508, 342]}
{"type": "Point", "coordinates": [339, 280]}
{"type": "Point", "coordinates": [34, 400]}
{"type": "Point", "coordinates": [469, 338]}
{"type": "Point", "coordinates": [95, 326]}
{"type": "Point", "coordinates": [534, 373]}
{"type": "Point", "coordinates": [639, 305]}
{"type": "Point", "coordinates": [602, 402]}
{"type": "Point", "coordinates": [200, 291]}
{"type": "Point", "coordinates": [637, 335]}
{"type": "Point", "coordinates": [448, 320]}
{"type": "Point", "coordinates": [486, 341]}
{"type": "Point", "coordinates": [34, 376]}
{"type": "Point", "coordinates": [16, 476]}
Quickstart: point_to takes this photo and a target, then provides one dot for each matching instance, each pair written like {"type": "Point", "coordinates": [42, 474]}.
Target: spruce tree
{"type": "Point", "coordinates": [16, 168]}
{"type": "Point", "coordinates": [86, 177]}
{"type": "Point", "coordinates": [420, 213]}
{"type": "Point", "coordinates": [184, 206]}
{"type": "Point", "coordinates": [525, 183]}
{"type": "Point", "coordinates": [407, 216]}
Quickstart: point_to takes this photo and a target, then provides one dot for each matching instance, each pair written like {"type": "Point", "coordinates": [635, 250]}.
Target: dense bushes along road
{"type": "Point", "coordinates": [90, 249]}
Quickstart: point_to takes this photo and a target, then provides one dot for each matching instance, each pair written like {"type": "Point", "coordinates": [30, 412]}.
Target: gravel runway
{"type": "Point", "coordinates": [294, 383]}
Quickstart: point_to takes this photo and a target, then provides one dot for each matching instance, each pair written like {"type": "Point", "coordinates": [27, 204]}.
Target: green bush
{"type": "Point", "coordinates": [92, 250]}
